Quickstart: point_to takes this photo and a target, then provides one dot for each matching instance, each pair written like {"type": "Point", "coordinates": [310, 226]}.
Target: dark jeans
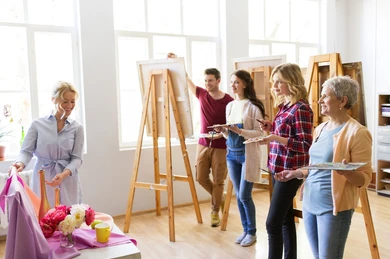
{"type": "Point", "coordinates": [280, 221]}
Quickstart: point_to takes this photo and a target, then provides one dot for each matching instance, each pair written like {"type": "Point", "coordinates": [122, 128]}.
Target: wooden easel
{"type": "Point", "coordinates": [259, 73]}
{"type": "Point", "coordinates": [169, 99]}
{"type": "Point", "coordinates": [313, 86]}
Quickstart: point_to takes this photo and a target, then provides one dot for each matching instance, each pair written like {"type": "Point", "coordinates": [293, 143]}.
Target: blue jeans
{"type": "Point", "coordinates": [236, 167]}
{"type": "Point", "coordinates": [327, 233]}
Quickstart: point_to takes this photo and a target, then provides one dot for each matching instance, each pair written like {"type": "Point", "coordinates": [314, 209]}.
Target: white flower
{"type": "Point", "coordinates": [78, 212]}
{"type": "Point", "coordinates": [68, 225]}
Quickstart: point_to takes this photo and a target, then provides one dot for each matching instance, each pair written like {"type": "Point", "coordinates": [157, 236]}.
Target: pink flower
{"type": "Point", "coordinates": [58, 217]}
{"type": "Point", "coordinates": [89, 216]}
{"type": "Point", "coordinates": [47, 229]}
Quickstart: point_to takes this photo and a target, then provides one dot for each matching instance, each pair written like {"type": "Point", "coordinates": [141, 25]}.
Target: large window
{"type": "Point", "coordinates": [153, 29]}
{"type": "Point", "coordinates": [285, 27]}
{"type": "Point", "coordinates": [38, 47]}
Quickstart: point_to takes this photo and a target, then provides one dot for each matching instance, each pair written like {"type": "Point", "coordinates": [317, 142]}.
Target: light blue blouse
{"type": "Point", "coordinates": [317, 195]}
{"type": "Point", "coordinates": [55, 152]}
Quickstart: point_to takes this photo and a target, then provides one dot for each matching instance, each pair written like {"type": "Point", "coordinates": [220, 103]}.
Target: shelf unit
{"type": "Point", "coordinates": [383, 147]}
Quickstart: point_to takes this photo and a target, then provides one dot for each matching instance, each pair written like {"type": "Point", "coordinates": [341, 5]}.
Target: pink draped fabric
{"type": "Point", "coordinates": [86, 238]}
{"type": "Point", "coordinates": [25, 238]}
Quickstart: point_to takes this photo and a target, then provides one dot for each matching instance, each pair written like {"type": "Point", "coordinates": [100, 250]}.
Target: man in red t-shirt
{"type": "Point", "coordinates": [211, 153]}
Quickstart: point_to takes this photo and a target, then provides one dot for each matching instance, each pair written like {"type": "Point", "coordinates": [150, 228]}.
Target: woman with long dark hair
{"type": "Point", "coordinates": [241, 115]}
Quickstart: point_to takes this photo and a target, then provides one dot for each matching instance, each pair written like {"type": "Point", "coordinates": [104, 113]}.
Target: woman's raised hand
{"type": "Point", "coordinates": [287, 175]}
{"type": "Point", "coordinates": [171, 55]}
{"type": "Point", "coordinates": [265, 125]}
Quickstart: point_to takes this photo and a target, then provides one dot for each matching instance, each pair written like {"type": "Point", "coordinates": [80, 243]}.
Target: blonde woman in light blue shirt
{"type": "Point", "coordinates": [57, 143]}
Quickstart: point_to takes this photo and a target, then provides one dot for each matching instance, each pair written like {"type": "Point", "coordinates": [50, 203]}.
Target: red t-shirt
{"type": "Point", "coordinates": [211, 112]}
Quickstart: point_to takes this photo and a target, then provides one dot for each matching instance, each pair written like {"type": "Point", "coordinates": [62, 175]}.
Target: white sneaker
{"type": "Point", "coordinates": [248, 240]}
{"type": "Point", "coordinates": [240, 238]}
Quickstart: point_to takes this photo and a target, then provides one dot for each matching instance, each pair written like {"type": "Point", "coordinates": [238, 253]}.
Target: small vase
{"type": "Point", "coordinates": [44, 205]}
{"type": "Point", "coordinates": [67, 241]}
{"type": "Point", "coordinates": [56, 197]}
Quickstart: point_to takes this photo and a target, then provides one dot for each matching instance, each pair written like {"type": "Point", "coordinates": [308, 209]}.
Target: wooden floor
{"type": "Point", "coordinates": [200, 241]}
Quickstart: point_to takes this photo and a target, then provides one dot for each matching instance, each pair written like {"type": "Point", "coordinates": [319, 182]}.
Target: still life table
{"type": "Point", "coordinates": [118, 246]}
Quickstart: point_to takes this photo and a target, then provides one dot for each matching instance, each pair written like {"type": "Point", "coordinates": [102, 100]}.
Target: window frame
{"type": "Point", "coordinates": [33, 90]}
{"type": "Point", "coordinates": [298, 45]}
{"type": "Point", "coordinates": [188, 59]}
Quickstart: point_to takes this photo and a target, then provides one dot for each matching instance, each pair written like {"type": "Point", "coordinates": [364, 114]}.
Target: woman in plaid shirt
{"type": "Point", "coordinates": [290, 139]}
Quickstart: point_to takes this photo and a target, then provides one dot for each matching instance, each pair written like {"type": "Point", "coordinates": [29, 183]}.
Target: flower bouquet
{"type": "Point", "coordinates": [66, 219]}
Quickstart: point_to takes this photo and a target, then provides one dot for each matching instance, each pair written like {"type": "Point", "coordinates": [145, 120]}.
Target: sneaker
{"type": "Point", "coordinates": [240, 238]}
{"type": "Point", "coordinates": [215, 221]}
{"type": "Point", "coordinates": [248, 240]}
{"type": "Point", "coordinates": [223, 202]}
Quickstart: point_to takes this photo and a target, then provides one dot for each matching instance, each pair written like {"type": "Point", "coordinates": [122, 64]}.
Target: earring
{"type": "Point", "coordinates": [341, 108]}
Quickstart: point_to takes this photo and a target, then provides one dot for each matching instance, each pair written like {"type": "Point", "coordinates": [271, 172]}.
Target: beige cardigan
{"type": "Point", "coordinates": [251, 129]}
{"type": "Point", "coordinates": [353, 143]}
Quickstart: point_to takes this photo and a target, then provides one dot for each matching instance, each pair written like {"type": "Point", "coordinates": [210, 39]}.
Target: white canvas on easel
{"type": "Point", "coordinates": [178, 76]}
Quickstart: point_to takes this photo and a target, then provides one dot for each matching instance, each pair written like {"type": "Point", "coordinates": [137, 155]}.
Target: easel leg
{"type": "Point", "coordinates": [130, 204]}
{"type": "Point", "coordinates": [369, 224]}
{"type": "Point", "coordinates": [169, 156]}
{"type": "Point", "coordinates": [190, 178]}
{"type": "Point", "coordinates": [155, 148]}
{"type": "Point", "coordinates": [228, 199]}
{"type": "Point", "coordinates": [137, 157]}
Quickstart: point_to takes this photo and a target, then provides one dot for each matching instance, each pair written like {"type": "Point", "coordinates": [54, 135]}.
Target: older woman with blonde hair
{"type": "Point", "coordinates": [330, 196]}
{"type": "Point", "coordinates": [289, 140]}
{"type": "Point", "coordinates": [57, 142]}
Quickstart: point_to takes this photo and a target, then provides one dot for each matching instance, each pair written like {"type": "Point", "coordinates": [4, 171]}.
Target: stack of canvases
{"type": "Point", "coordinates": [26, 176]}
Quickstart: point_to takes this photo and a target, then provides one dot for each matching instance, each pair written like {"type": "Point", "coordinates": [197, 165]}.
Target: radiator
{"type": "Point", "coordinates": [3, 179]}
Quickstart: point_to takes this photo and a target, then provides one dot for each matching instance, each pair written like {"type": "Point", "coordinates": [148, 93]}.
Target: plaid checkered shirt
{"type": "Point", "coordinates": [295, 123]}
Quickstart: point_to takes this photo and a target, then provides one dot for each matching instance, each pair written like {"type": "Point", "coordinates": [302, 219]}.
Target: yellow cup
{"type": "Point", "coordinates": [102, 232]}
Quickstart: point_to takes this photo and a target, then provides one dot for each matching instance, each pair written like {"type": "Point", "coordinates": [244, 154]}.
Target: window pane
{"type": "Point", "coordinates": [277, 20]}
{"type": "Point", "coordinates": [258, 50]}
{"type": "Point", "coordinates": [18, 106]}
{"type": "Point", "coordinates": [53, 61]}
{"type": "Point", "coordinates": [164, 16]}
{"type": "Point", "coordinates": [256, 19]}
{"type": "Point", "coordinates": [14, 74]}
{"type": "Point", "coordinates": [285, 48]}
{"type": "Point", "coordinates": [305, 28]}
{"type": "Point", "coordinates": [130, 50]}
{"type": "Point", "coordinates": [305, 53]}
{"type": "Point", "coordinates": [193, 24]}
{"type": "Point", "coordinates": [162, 45]}
{"type": "Point", "coordinates": [124, 21]}
{"type": "Point", "coordinates": [51, 12]}
{"type": "Point", "coordinates": [11, 11]}
{"type": "Point", "coordinates": [203, 56]}
{"type": "Point", "coordinates": [131, 111]}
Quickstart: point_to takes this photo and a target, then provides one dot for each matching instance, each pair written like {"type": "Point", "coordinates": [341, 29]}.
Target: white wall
{"type": "Point", "coordinates": [367, 39]}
